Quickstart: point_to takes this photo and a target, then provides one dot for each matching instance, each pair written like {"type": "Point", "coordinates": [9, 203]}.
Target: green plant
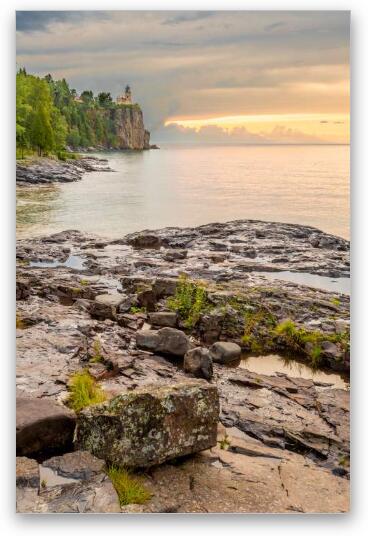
{"type": "Point", "coordinates": [129, 488]}
{"type": "Point", "coordinates": [43, 483]}
{"type": "Point", "coordinates": [84, 391]}
{"type": "Point", "coordinates": [97, 356]}
{"type": "Point", "coordinates": [84, 282]}
{"type": "Point", "coordinates": [224, 443]}
{"type": "Point", "coordinates": [316, 356]}
{"type": "Point", "coordinates": [135, 310]}
{"type": "Point", "coordinates": [336, 301]}
{"type": "Point", "coordinates": [190, 301]}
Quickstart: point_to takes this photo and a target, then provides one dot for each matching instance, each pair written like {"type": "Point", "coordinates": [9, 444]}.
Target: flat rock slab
{"type": "Point", "coordinates": [27, 472]}
{"type": "Point", "coordinates": [152, 425]}
{"type": "Point", "coordinates": [72, 483]}
{"type": "Point", "coordinates": [42, 426]}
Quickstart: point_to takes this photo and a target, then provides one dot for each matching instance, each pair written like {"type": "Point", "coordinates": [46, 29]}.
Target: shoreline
{"type": "Point", "coordinates": [77, 293]}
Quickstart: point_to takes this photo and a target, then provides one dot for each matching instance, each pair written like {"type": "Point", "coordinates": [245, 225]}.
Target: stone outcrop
{"type": "Point", "coordinates": [43, 426]}
{"type": "Point", "coordinates": [225, 352]}
{"type": "Point", "coordinates": [150, 426]}
{"type": "Point", "coordinates": [130, 131]}
{"type": "Point", "coordinates": [48, 170]}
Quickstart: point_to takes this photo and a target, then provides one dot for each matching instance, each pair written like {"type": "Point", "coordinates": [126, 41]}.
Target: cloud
{"type": "Point", "coordinates": [187, 16]}
{"type": "Point", "coordinates": [196, 63]}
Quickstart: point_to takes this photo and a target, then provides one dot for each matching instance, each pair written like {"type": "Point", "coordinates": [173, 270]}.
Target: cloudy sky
{"type": "Point", "coordinates": [226, 76]}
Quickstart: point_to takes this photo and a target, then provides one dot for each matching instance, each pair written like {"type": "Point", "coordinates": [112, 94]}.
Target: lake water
{"type": "Point", "coordinates": [193, 185]}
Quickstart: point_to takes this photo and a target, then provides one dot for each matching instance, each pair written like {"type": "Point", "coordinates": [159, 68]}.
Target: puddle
{"type": "Point", "coordinates": [73, 261]}
{"type": "Point", "coordinates": [50, 478]}
{"type": "Point", "coordinates": [332, 284]}
{"type": "Point", "coordinates": [272, 364]}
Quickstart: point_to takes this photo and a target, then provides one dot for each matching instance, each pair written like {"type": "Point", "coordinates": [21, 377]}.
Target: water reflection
{"type": "Point", "coordinates": [35, 208]}
{"type": "Point", "coordinates": [332, 284]}
{"type": "Point", "coordinates": [270, 365]}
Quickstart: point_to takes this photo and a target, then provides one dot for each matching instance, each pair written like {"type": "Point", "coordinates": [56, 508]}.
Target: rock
{"type": "Point", "coordinates": [173, 255]}
{"type": "Point", "coordinates": [43, 426]}
{"type": "Point", "coordinates": [147, 339]}
{"type": "Point", "coordinates": [172, 341]}
{"type": "Point", "coordinates": [199, 363]}
{"type": "Point", "coordinates": [165, 319]}
{"type": "Point", "coordinates": [27, 471]}
{"type": "Point", "coordinates": [22, 289]}
{"type": "Point", "coordinates": [147, 298]}
{"type": "Point", "coordinates": [149, 426]}
{"type": "Point", "coordinates": [145, 241]}
{"type": "Point", "coordinates": [169, 341]}
{"type": "Point", "coordinates": [225, 352]}
{"type": "Point", "coordinates": [79, 465]}
{"type": "Point", "coordinates": [107, 306]}
{"type": "Point", "coordinates": [165, 286]}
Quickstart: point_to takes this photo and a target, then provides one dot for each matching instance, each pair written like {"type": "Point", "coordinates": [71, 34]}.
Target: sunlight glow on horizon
{"type": "Point", "coordinates": [330, 127]}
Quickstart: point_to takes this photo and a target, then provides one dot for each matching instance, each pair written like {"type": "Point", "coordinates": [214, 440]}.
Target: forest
{"type": "Point", "coordinates": [50, 116]}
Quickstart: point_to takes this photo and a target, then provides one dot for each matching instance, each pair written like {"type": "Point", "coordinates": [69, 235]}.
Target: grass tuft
{"type": "Point", "coordinates": [84, 391]}
{"type": "Point", "coordinates": [129, 488]}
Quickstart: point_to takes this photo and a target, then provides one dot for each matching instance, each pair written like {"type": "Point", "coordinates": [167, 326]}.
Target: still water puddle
{"type": "Point", "coordinates": [73, 261]}
{"type": "Point", "coordinates": [332, 284]}
{"type": "Point", "coordinates": [270, 365]}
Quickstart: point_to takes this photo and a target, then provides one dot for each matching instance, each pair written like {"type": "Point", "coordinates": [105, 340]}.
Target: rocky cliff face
{"type": "Point", "coordinates": [130, 131]}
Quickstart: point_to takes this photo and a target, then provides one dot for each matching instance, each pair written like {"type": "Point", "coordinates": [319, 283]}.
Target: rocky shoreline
{"type": "Point", "coordinates": [162, 316]}
{"type": "Point", "coordinates": [48, 170]}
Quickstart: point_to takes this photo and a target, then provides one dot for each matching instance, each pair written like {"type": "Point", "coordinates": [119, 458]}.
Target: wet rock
{"type": "Point", "coordinates": [163, 319]}
{"type": "Point", "coordinates": [43, 426]}
{"type": "Point", "coordinates": [199, 363]}
{"type": "Point", "coordinates": [145, 241]}
{"type": "Point", "coordinates": [167, 340]}
{"type": "Point", "coordinates": [225, 352]}
{"type": "Point", "coordinates": [27, 472]}
{"type": "Point", "coordinates": [149, 426]}
{"type": "Point", "coordinates": [106, 306]}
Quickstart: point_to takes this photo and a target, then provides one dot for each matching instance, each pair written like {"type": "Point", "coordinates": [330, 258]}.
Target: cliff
{"type": "Point", "coordinates": [129, 128]}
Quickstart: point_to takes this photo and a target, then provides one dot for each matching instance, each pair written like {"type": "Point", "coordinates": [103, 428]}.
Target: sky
{"type": "Point", "coordinates": [201, 76]}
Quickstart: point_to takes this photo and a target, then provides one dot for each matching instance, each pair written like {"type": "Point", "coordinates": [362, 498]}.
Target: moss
{"type": "Point", "coordinates": [129, 488]}
{"type": "Point", "coordinates": [190, 301]}
{"type": "Point", "coordinates": [84, 391]}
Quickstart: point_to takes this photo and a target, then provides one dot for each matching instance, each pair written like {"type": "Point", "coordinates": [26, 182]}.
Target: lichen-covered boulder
{"type": "Point", "coordinates": [152, 425]}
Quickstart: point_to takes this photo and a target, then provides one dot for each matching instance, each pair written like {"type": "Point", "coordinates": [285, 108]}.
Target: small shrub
{"type": "Point", "coordinates": [190, 301]}
{"type": "Point", "coordinates": [84, 391]}
{"type": "Point", "coordinates": [84, 282]}
{"type": "Point", "coordinates": [336, 301]}
{"type": "Point", "coordinates": [224, 443]}
{"type": "Point", "coordinates": [129, 488]}
{"type": "Point", "coordinates": [316, 356]}
{"type": "Point", "coordinates": [19, 323]}
{"type": "Point", "coordinates": [136, 310]}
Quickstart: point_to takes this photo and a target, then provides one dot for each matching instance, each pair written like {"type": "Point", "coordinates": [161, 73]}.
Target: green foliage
{"type": "Point", "coordinates": [84, 391]}
{"type": "Point", "coordinates": [224, 443]}
{"type": "Point", "coordinates": [129, 488]}
{"type": "Point", "coordinates": [336, 301]}
{"type": "Point", "coordinates": [136, 310]}
{"type": "Point", "coordinates": [49, 116]}
{"type": "Point", "coordinates": [190, 301]}
{"type": "Point", "coordinates": [19, 323]}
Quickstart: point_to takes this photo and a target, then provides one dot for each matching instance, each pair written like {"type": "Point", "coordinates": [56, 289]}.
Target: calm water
{"type": "Point", "coordinates": [193, 185]}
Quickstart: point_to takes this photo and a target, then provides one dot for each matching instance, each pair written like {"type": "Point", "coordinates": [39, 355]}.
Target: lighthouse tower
{"type": "Point", "coordinates": [126, 97]}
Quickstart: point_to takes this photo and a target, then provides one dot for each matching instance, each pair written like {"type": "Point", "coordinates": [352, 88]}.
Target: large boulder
{"type": "Point", "coordinates": [149, 426]}
{"type": "Point", "coordinates": [225, 352]}
{"type": "Point", "coordinates": [199, 363]}
{"type": "Point", "coordinates": [167, 340]}
{"type": "Point", "coordinates": [43, 426]}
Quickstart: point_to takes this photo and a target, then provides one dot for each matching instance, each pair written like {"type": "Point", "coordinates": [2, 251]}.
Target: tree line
{"type": "Point", "coordinates": [50, 116]}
